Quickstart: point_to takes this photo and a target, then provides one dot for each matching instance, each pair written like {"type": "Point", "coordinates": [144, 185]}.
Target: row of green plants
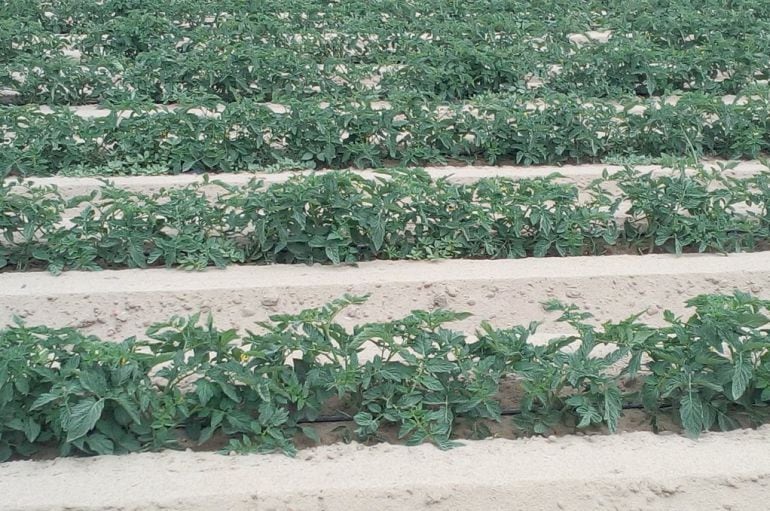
{"type": "Point", "coordinates": [359, 132]}
{"type": "Point", "coordinates": [461, 70]}
{"type": "Point", "coordinates": [450, 52]}
{"type": "Point", "coordinates": [344, 217]}
{"type": "Point", "coordinates": [669, 21]}
{"type": "Point", "coordinates": [456, 69]}
{"type": "Point", "coordinates": [61, 16]}
{"type": "Point", "coordinates": [262, 390]}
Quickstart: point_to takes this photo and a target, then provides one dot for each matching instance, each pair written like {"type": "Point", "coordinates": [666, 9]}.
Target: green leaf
{"type": "Point", "coordinates": [6, 394]}
{"type": "Point", "coordinates": [100, 444]}
{"type": "Point", "coordinates": [31, 429]}
{"type": "Point", "coordinates": [393, 372]}
{"type": "Point", "coordinates": [311, 433]}
{"type": "Point", "coordinates": [44, 399]}
{"type": "Point", "coordinates": [205, 435]}
{"type": "Point", "coordinates": [541, 248]}
{"type": "Point", "coordinates": [5, 451]}
{"type": "Point", "coordinates": [613, 405]}
{"type": "Point", "coordinates": [82, 418]}
{"type": "Point", "coordinates": [431, 383]}
{"type": "Point", "coordinates": [204, 390]}
{"type": "Point", "coordinates": [691, 413]}
{"type": "Point", "coordinates": [263, 388]}
{"type": "Point", "coordinates": [93, 381]}
{"type": "Point", "coordinates": [752, 320]}
{"type": "Point", "coordinates": [130, 409]}
{"type": "Point", "coordinates": [137, 256]}
{"type": "Point", "coordinates": [216, 418]}
{"type": "Point", "coordinates": [22, 384]}
{"type": "Point", "coordinates": [229, 391]}
{"type": "Point", "coordinates": [378, 234]}
{"type": "Point", "coordinates": [333, 253]}
{"type": "Point", "coordinates": [741, 377]}
{"type": "Point", "coordinates": [634, 364]}
{"type": "Point", "coordinates": [363, 419]}
{"type": "Point", "coordinates": [437, 365]}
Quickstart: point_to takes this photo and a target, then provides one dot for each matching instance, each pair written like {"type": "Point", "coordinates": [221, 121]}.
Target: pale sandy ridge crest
{"type": "Point", "coordinates": [117, 303]}
{"type": "Point", "coordinates": [581, 175]}
{"type": "Point", "coordinates": [629, 471]}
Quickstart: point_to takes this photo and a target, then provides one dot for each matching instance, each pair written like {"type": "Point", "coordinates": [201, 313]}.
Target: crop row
{"type": "Point", "coordinates": [233, 70]}
{"type": "Point", "coordinates": [60, 388]}
{"type": "Point", "coordinates": [342, 217]}
{"type": "Point", "coordinates": [111, 26]}
{"type": "Point", "coordinates": [457, 70]}
{"type": "Point", "coordinates": [712, 49]}
{"type": "Point", "coordinates": [247, 135]}
{"type": "Point", "coordinates": [664, 18]}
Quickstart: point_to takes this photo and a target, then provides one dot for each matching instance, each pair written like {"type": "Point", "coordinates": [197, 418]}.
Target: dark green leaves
{"type": "Point", "coordinates": [699, 212]}
{"type": "Point", "coordinates": [205, 391]}
{"type": "Point", "coordinates": [261, 390]}
{"type": "Point", "coordinates": [742, 372]}
{"type": "Point", "coordinates": [81, 418]}
{"type": "Point", "coordinates": [343, 217]}
{"type": "Point", "coordinates": [248, 135]}
{"type": "Point", "coordinates": [495, 82]}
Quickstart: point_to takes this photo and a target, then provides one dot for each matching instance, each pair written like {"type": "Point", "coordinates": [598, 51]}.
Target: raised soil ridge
{"type": "Point", "coordinates": [629, 471]}
{"type": "Point", "coordinates": [116, 304]}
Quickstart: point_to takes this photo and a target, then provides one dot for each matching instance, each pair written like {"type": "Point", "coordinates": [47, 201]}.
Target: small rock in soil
{"type": "Point", "coordinates": [9, 97]}
{"type": "Point", "coordinates": [440, 301]}
{"type": "Point", "coordinates": [270, 301]}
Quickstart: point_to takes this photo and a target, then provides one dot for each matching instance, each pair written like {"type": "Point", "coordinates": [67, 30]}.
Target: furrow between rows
{"type": "Point", "coordinates": [634, 471]}
{"type": "Point", "coordinates": [117, 304]}
{"type": "Point", "coordinates": [580, 175]}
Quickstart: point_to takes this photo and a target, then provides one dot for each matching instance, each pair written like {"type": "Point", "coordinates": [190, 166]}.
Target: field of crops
{"type": "Point", "coordinates": [539, 229]}
{"type": "Point", "coordinates": [228, 86]}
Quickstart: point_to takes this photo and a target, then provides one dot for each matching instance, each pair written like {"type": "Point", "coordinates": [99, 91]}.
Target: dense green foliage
{"type": "Point", "coordinates": [60, 388]}
{"type": "Point", "coordinates": [343, 217]}
{"type": "Point", "coordinates": [248, 135]}
{"type": "Point", "coordinates": [365, 84]}
{"type": "Point", "coordinates": [445, 50]}
{"type": "Point", "coordinates": [480, 61]}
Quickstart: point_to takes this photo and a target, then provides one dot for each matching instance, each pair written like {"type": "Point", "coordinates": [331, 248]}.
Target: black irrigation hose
{"type": "Point", "coordinates": [323, 419]}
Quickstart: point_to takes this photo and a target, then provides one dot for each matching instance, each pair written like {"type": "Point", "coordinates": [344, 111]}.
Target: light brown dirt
{"type": "Point", "coordinates": [117, 304]}
{"type": "Point", "coordinates": [580, 175]}
{"type": "Point", "coordinates": [634, 471]}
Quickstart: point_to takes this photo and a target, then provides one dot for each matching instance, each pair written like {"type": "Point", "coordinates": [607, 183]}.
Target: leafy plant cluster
{"type": "Point", "coordinates": [62, 389]}
{"type": "Point", "coordinates": [343, 217]}
{"type": "Point", "coordinates": [442, 50]}
{"type": "Point", "coordinates": [246, 135]}
{"type": "Point", "coordinates": [457, 77]}
{"type": "Point", "coordinates": [63, 16]}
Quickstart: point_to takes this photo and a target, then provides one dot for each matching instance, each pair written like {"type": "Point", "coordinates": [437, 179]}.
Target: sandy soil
{"type": "Point", "coordinates": [580, 175]}
{"type": "Point", "coordinates": [97, 111]}
{"type": "Point", "coordinates": [633, 471]}
{"type": "Point", "coordinates": [116, 304]}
